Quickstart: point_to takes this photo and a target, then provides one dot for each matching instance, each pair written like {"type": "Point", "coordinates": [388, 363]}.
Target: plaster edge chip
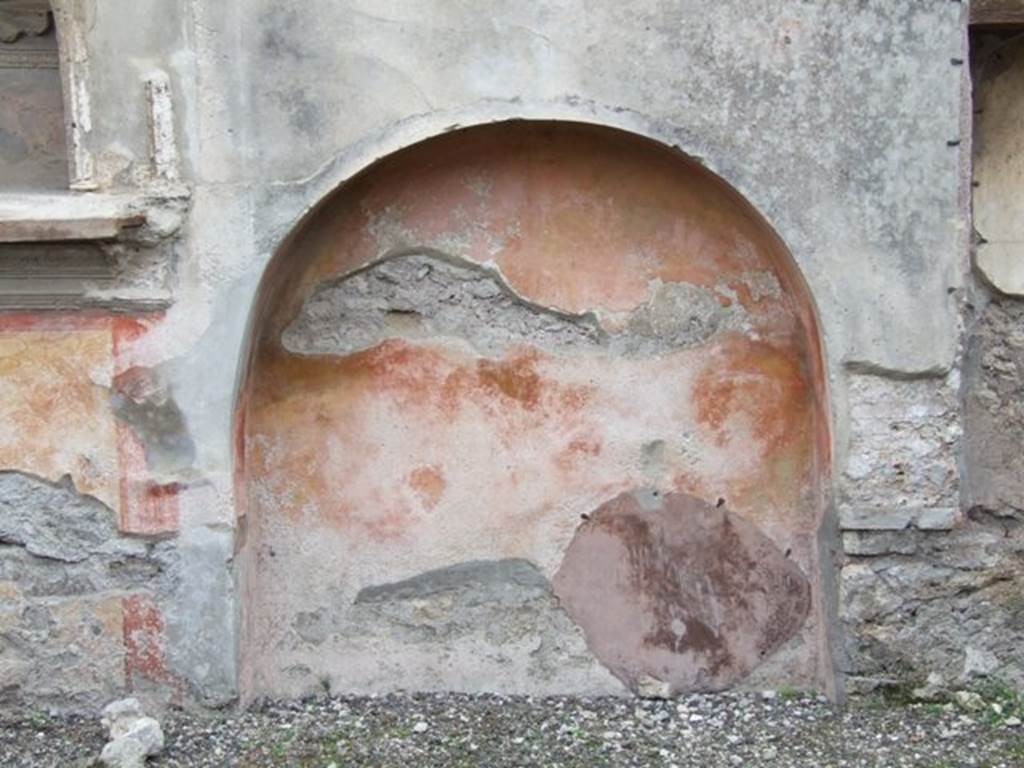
{"type": "Point", "coordinates": [423, 293]}
{"type": "Point", "coordinates": [1002, 265]}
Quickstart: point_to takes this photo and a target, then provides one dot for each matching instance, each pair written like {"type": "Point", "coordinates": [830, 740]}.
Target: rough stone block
{"type": "Point", "coordinates": [52, 520]}
{"type": "Point", "coordinates": [1002, 265]}
{"type": "Point", "coordinates": [937, 518]}
{"type": "Point", "coordinates": [898, 518]}
{"type": "Point", "coordinates": [63, 653]}
{"type": "Point", "coordinates": [876, 519]}
{"type": "Point", "coordinates": [867, 543]}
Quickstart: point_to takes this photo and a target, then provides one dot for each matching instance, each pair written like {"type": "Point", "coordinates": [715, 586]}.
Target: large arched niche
{"type": "Point", "coordinates": [533, 407]}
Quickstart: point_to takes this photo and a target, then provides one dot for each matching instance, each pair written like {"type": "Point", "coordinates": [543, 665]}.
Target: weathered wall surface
{"type": "Point", "coordinates": [86, 567]}
{"type": "Point", "coordinates": [932, 586]}
{"type": "Point", "coordinates": [931, 592]}
{"type": "Point", "coordinates": [840, 122]}
{"type": "Point", "coordinates": [562, 314]}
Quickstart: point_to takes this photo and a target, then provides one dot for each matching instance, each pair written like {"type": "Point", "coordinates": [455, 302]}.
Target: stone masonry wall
{"type": "Point", "coordinates": [79, 622]}
{"type": "Point", "coordinates": [932, 536]}
{"type": "Point", "coordinates": [932, 500]}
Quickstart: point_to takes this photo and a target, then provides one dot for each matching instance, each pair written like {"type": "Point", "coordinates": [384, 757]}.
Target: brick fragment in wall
{"type": "Point", "coordinates": [994, 410]}
{"type": "Point", "coordinates": [67, 581]}
{"type": "Point", "coordinates": [904, 438]}
{"type": "Point", "coordinates": [430, 295]}
{"type": "Point", "coordinates": [898, 518]}
{"type": "Point", "coordinates": [915, 602]}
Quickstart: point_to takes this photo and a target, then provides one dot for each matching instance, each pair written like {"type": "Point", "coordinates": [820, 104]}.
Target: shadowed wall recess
{"type": "Point", "coordinates": [519, 383]}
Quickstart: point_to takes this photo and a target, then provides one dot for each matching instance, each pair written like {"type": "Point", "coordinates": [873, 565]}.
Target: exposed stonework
{"type": "Point", "coordinates": [933, 590]}
{"type": "Point", "coordinates": [70, 592]}
{"type": "Point", "coordinates": [916, 603]}
{"type": "Point", "coordinates": [52, 521]}
{"type": "Point", "coordinates": [419, 296]}
{"type": "Point", "coordinates": [423, 295]}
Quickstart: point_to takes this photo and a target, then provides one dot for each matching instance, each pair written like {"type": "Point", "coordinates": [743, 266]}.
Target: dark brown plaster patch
{"type": "Point", "coordinates": [679, 591]}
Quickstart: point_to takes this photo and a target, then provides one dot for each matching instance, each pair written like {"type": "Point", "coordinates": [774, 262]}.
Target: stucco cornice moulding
{"type": "Point", "coordinates": [69, 216]}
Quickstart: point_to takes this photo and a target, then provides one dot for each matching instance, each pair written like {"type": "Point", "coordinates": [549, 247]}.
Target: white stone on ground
{"type": "Point", "coordinates": [133, 736]}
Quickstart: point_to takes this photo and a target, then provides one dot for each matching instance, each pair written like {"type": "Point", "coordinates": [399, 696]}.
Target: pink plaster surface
{"type": "Point", "coordinates": [679, 591]}
{"type": "Point", "coordinates": [56, 374]}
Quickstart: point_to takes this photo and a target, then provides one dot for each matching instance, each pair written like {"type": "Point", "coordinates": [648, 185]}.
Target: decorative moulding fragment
{"type": "Point", "coordinates": [73, 250]}
{"type": "Point", "coordinates": [60, 217]}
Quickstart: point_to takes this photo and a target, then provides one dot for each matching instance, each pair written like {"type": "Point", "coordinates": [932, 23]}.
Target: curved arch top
{"type": "Point", "coordinates": [475, 369]}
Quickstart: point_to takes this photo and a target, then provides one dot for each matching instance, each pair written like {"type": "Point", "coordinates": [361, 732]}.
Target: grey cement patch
{"type": "Point", "coordinates": [52, 520]}
{"type": "Point", "coordinates": [500, 600]}
{"type": "Point", "coordinates": [483, 580]}
{"type": "Point", "coordinates": [422, 295]}
{"type": "Point", "coordinates": [678, 316]}
{"type": "Point", "coordinates": [476, 625]}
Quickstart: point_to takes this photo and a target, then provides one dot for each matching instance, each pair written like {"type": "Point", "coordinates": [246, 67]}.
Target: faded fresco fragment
{"type": "Point", "coordinates": [476, 344]}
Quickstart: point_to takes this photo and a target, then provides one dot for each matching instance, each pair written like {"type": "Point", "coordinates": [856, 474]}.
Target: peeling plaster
{"type": "Point", "coordinates": [420, 296]}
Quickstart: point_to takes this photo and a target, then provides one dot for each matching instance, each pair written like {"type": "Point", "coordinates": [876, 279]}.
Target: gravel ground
{"type": "Point", "coordinates": [453, 730]}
